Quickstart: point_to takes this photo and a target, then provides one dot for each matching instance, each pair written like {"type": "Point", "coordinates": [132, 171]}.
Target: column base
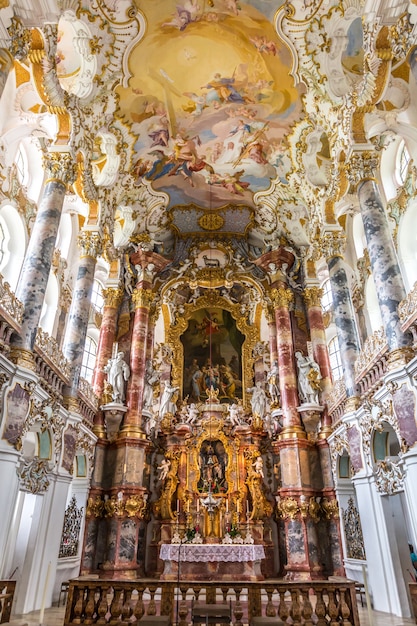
{"type": "Point", "coordinates": [71, 404]}
{"type": "Point", "coordinates": [292, 432]}
{"type": "Point", "coordinates": [399, 357]}
{"type": "Point", "coordinates": [22, 357]}
{"type": "Point", "coordinates": [112, 571]}
{"type": "Point", "coordinates": [352, 403]}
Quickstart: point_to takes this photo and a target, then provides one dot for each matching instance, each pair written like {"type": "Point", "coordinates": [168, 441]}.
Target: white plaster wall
{"type": "Point", "coordinates": [40, 562]}
{"type": "Point", "coordinates": [386, 586]}
{"type": "Point", "coordinates": [9, 489]}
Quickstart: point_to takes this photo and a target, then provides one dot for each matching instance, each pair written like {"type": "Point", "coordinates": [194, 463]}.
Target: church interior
{"type": "Point", "coordinates": [208, 312]}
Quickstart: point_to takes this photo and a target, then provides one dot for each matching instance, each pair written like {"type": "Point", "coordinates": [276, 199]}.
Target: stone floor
{"type": "Point", "coordinates": [55, 617]}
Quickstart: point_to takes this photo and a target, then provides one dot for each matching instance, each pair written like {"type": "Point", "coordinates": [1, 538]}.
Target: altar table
{"type": "Point", "coordinates": [190, 561]}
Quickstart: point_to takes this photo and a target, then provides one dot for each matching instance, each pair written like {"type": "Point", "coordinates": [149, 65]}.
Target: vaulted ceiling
{"type": "Point", "coordinates": [216, 118]}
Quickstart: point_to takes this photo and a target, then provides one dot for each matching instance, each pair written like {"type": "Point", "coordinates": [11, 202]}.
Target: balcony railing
{"type": "Point", "coordinates": [123, 602]}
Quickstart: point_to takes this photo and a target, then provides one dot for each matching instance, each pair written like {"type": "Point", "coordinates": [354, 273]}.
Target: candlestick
{"type": "Point", "coordinates": [247, 507]}
{"type": "Point", "coordinates": [178, 506]}
{"type": "Point", "coordinates": [198, 505]}
{"type": "Point", "coordinates": [227, 505]}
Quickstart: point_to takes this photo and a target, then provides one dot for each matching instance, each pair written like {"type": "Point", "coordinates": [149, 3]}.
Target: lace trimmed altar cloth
{"type": "Point", "coordinates": [211, 552]}
{"type": "Point", "coordinates": [212, 561]}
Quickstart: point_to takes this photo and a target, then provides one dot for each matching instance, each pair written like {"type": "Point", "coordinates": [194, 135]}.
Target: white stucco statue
{"type": "Point", "coordinates": [258, 400]}
{"type": "Point", "coordinates": [273, 383]}
{"type": "Point", "coordinates": [167, 405]}
{"type": "Point", "coordinates": [118, 373]}
{"type": "Point", "coordinates": [151, 378]}
{"type": "Point", "coordinates": [163, 469]}
{"type": "Point", "coordinates": [308, 378]}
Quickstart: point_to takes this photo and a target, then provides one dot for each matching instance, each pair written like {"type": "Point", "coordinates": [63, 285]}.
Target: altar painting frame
{"type": "Point", "coordinates": [212, 300]}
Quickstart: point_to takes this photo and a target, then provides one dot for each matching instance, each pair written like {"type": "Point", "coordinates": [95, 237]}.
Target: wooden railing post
{"type": "Point", "coordinates": [116, 602]}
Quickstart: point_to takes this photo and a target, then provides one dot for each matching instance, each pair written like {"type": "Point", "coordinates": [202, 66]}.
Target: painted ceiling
{"type": "Point", "coordinates": [229, 116]}
{"type": "Point", "coordinates": [210, 100]}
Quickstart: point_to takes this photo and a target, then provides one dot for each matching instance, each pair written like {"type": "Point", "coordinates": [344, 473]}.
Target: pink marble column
{"type": "Point", "coordinates": [112, 300]}
{"type": "Point", "coordinates": [76, 331]}
{"type": "Point", "coordinates": [312, 299]}
{"type": "Point", "coordinates": [60, 172]}
{"type": "Point", "coordinates": [282, 298]}
{"type": "Point", "coordinates": [142, 298]}
{"type": "Point", "coordinates": [273, 352]}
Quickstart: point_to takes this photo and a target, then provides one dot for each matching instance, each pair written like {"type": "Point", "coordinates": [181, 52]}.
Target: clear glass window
{"type": "Point", "coordinates": [89, 359]}
{"type": "Point", "coordinates": [327, 297]}
{"type": "Point", "coordinates": [335, 359]}
{"type": "Point", "coordinates": [97, 300]}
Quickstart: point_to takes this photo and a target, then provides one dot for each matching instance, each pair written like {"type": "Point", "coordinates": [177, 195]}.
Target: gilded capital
{"type": "Point", "coordinates": [313, 296]}
{"type": "Point", "coordinates": [60, 166]}
{"type": "Point", "coordinates": [282, 297]}
{"type": "Point", "coordinates": [332, 244]}
{"type": "Point", "coordinates": [20, 39]}
{"type": "Point", "coordinates": [142, 298]}
{"type": "Point", "coordinates": [362, 165]}
{"type": "Point", "coordinates": [112, 296]}
{"type": "Point", "coordinates": [90, 243]}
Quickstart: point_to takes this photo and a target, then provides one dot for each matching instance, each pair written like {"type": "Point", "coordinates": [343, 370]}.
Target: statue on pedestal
{"type": "Point", "coordinates": [151, 378]}
{"type": "Point", "coordinates": [118, 373]}
{"type": "Point", "coordinates": [258, 400]}
{"type": "Point", "coordinates": [167, 405]}
{"type": "Point", "coordinates": [309, 377]}
{"type": "Point", "coordinates": [272, 380]}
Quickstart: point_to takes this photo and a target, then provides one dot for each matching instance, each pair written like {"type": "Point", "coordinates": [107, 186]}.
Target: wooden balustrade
{"type": "Point", "coordinates": [122, 603]}
{"type": "Point", "coordinates": [7, 589]}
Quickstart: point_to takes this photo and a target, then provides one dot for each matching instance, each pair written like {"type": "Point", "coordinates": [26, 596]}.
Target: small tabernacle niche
{"type": "Point", "coordinates": [213, 462]}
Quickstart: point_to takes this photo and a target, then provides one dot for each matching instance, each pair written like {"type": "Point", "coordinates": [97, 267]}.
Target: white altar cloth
{"type": "Point", "coordinates": [210, 552]}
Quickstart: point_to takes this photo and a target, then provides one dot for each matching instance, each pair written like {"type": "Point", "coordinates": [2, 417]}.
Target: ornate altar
{"type": "Point", "coordinates": [212, 503]}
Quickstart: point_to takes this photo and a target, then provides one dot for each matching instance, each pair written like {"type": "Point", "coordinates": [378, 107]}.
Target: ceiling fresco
{"type": "Point", "coordinates": [210, 100]}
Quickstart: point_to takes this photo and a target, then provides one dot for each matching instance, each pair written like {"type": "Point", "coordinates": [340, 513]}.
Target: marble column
{"type": "Point", "coordinates": [282, 297]}
{"type": "Point", "coordinates": [60, 172]}
{"type": "Point", "coordinates": [312, 299]}
{"type": "Point", "coordinates": [6, 64]}
{"type": "Point", "coordinates": [344, 313]}
{"type": "Point", "coordinates": [76, 331]}
{"type": "Point", "coordinates": [272, 337]}
{"type": "Point", "coordinates": [112, 300]}
{"type": "Point", "coordinates": [148, 264]}
{"type": "Point", "coordinates": [329, 531]}
{"type": "Point", "coordinates": [142, 297]}
{"type": "Point", "coordinates": [385, 269]}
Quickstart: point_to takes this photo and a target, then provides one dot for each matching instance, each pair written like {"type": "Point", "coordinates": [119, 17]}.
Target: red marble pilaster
{"type": "Point", "coordinates": [282, 298]}
{"type": "Point", "coordinates": [142, 298]}
{"type": "Point", "coordinates": [112, 299]}
{"type": "Point", "coordinates": [312, 297]}
{"type": "Point", "coordinates": [272, 339]}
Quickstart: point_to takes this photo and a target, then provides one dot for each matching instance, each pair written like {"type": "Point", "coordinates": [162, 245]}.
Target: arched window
{"type": "Point", "coordinates": [12, 244]}
{"type": "Point", "coordinates": [89, 359]}
{"type": "Point", "coordinates": [327, 297]}
{"type": "Point", "coordinates": [372, 305]}
{"type": "Point", "coordinates": [97, 300]}
{"type": "Point", "coordinates": [402, 163]}
{"type": "Point", "coordinates": [21, 166]}
{"type": "Point", "coordinates": [335, 359]}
